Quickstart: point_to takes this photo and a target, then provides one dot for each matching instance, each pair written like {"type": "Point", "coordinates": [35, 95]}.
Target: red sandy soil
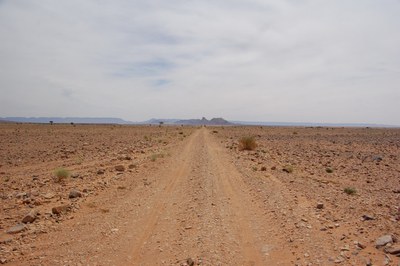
{"type": "Point", "coordinates": [190, 196]}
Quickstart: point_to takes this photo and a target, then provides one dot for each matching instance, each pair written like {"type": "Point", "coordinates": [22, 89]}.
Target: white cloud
{"type": "Point", "coordinates": [318, 61]}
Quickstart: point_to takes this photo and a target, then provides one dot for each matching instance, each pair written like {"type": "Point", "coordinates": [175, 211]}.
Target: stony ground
{"type": "Point", "coordinates": [191, 196]}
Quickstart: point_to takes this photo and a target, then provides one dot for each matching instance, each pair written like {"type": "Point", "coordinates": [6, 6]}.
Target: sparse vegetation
{"type": "Point", "coordinates": [61, 174]}
{"type": "Point", "coordinates": [288, 169]}
{"type": "Point", "coordinates": [247, 144]}
{"type": "Point", "coordinates": [155, 156]}
{"type": "Point", "coordinates": [350, 191]}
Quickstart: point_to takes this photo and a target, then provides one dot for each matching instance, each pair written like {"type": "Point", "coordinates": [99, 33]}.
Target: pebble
{"type": "Point", "coordinates": [394, 250]}
{"type": "Point", "coordinates": [3, 261]}
{"type": "Point", "coordinates": [60, 209]}
{"type": "Point", "coordinates": [30, 217]}
{"type": "Point", "coordinates": [383, 241]}
{"type": "Point", "coordinates": [367, 217]}
{"type": "Point", "coordinates": [75, 194]}
{"type": "Point", "coordinates": [190, 262]}
{"type": "Point", "coordinates": [100, 171]}
{"type": "Point", "coordinates": [120, 168]}
{"type": "Point", "coordinates": [16, 229]}
{"type": "Point", "coordinates": [320, 205]}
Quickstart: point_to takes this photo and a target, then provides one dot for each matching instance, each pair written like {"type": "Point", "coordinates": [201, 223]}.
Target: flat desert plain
{"type": "Point", "coordinates": [172, 195]}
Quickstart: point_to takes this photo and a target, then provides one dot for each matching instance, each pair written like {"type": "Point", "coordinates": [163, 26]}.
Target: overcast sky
{"type": "Point", "coordinates": [254, 60]}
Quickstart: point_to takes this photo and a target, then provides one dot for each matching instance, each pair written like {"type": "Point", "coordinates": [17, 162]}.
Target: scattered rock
{"type": "Point", "coordinates": [60, 209]}
{"type": "Point", "coordinates": [132, 166]}
{"type": "Point", "coordinates": [383, 241]}
{"type": "Point", "coordinates": [320, 205]}
{"type": "Point", "coordinates": [273, 168]}
{"type": "Point", "coordinates": [368, 262]}
{"type": "Point", "coordinates": [120, 168]}
{"type": "Point", "coordinates": [190, 262]}
{"type": "Point", "coordinates": [75, 175]}
{"type": "Point", "coordinates": [394, 250]}
{"type": "Point", "coordinates": [367, 217]}
{"type": "Point", "coordinates": [361, 246]}
{"type": "Point", "coordinates": [4, 238]}
{"type": "Point", "coordinates": [48, 195]}
{"type": "Point", "coordinates": [3, 261]}
{"type": "Point", "coordinates": [75, 194]}
{"type": "Point", "coordinates": [263, 168]}
{"type": "Point", "coordinates": [16, 229]}
{"type": "Point", "coordinates": [100, 172]}
{"type": "Point", "coordinates": [30, 217]}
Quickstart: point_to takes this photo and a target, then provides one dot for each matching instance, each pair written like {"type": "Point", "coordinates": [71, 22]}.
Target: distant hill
{"type": "Point", "coordinates": [204, 121]}
{"type": "Point", "coordinates": [308, 124]}
{"type": "Point", "coordinates": [76, 120]}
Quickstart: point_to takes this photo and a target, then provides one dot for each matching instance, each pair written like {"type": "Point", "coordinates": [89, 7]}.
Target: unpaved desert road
{"type": "Point", "coordinates": [195, 205]}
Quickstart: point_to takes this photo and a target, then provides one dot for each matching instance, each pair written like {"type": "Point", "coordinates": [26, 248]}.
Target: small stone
{"type": "Point", "coordinates": [30, 217]}
{"type": "Point", "coordinates": [320, 205]}
{"type": "Point", "coordinates": [100, 172]}
{"type": "Point", "coordinates": [190, 262]}
{"type": "Point", "coordinates": [3, 261]}
{"type": "Point", "coordinates": [60, 209]}
{"type": "Point", "coordinates": [360, 245]}
{"type": "Point", "coordinates": [367, 217]}
{"type": "Point", "coordinates": [368, 262]}
{"type": "Point", "coordinates": [119, 168]}
{"type": "Point", "coordinates": [132, 166]}
{"type": "Point", "coordinates": [394, 250]}
{"type": "Point", "coordinates": [4, 238]}
{"type": "Point", "coordinates": [188, 227]}
{"type": "Point", "coordinates": [48, 195]}
{"type": "Point", "coordinates": [75, 175]}
{"type": "Point", "coordinates": [383, 241]}
{"type": "Point", "coordinates": [75, 194]}
{"type": "Point", "coordinates": [263, 168]}
{"type": "Point", "coordinates": [273, 168]}
{"type": "Point", "coordinates": [16, 229]}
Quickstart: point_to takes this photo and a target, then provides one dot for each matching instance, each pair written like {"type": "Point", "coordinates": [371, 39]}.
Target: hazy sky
{"type": "Point", "coordinates": [255, 60]}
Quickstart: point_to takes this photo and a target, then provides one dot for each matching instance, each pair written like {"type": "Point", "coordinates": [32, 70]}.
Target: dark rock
{"type": "Point", "coordinates": [119, 168]}
{"type": "Point", "coordinates": [30, 217]}
{"type": "Point", "coordinates": [190, 262]}
{"type": "Point", "coordinates": [394, 250]}
{"type": "Point", "coordinates": [367, 217]}
{"type": "Point", "coordinates": [16, 229]}
{"type": "Point", "coordinates": [263, 168]}
{"type": "Point", "coordinates": [100, 172]}
{"type": "Point", "coordinates": [320, 205]}
{"type": "Point", "coordinates": [60, 209]}
{"type": "Point", "coordinates": [383, 241]}
{"type": "Point", "coordinates": [75, 194]}
{"type": "Point", "coordinates": [273, 168]}
{"type": "Point", "coordinates": [132, 166]}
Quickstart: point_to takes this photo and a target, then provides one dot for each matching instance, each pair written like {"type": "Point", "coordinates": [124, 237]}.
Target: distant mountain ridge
{"type": "Point", "coordinates": [157, 121]}
{"type": "Point", "coordinates": [67, 120]}
{"type": "Point", "coordinates": [213, 122]}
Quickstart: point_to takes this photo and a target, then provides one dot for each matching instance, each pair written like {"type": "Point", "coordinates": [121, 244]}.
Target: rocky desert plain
{"type": "Point", "coordinates": [181, 195]}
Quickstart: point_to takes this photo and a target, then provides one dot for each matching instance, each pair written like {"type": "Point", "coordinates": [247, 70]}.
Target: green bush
{"type": "Point", "coordinates": [247, 143]}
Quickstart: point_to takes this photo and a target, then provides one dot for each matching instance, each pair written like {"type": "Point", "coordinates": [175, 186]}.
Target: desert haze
{"type": "Point", "coordinates": [195, 195]}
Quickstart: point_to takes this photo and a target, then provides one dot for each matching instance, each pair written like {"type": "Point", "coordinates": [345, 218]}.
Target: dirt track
{"type": "Point", "coordinates": [198, 207]}
{"type": "Point", "coordinates": [199, 203]}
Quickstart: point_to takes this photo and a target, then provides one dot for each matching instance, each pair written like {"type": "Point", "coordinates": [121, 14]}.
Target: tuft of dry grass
{"type": "Point", "coordinates": [61, 174]}
{"type": "Point", "coordinates": [247, 144]}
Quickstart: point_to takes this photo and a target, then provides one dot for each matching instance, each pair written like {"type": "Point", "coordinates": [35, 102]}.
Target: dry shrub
{"type": "Point", "coordinates": [247, 144]}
